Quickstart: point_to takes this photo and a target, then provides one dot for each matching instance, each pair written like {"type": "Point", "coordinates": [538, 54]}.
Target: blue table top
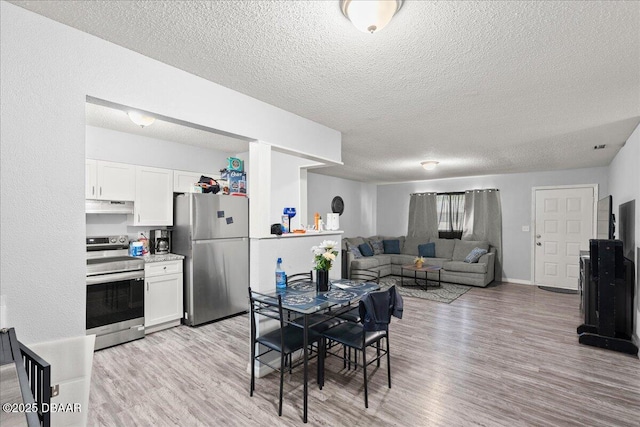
{"type": "Point", "coordinates": [302, 297]}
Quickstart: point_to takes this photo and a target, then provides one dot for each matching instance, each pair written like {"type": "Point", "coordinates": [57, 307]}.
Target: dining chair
{"type": "Point", "coordinates": [376, 309]}
{"type": "Point", "coordinates": [300, 277]}
{"type": "Point", "coordinates": [285, 339]}
{"type": "Point", "coordinates": [365, 275]}
{"type": "Point", "coordinates": [353, 315]}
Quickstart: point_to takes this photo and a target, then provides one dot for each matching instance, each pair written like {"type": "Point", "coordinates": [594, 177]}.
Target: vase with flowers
{"type": "Point", "coordinates": [323, 257]}
{"type": "Point", "coordinates": [418, 261]}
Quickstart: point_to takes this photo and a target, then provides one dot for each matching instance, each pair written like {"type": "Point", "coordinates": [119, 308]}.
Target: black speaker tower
{"type": "Point", "coordinates": [611, 282]}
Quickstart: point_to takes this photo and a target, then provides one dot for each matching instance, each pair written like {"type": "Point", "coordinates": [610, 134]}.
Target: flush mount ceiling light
{"type": "Point", "coordinates": [370, 16]}
{"type": "Point", "coordinates": [429, 165]}
{"type": "Point", "coordinates": [141, 119]}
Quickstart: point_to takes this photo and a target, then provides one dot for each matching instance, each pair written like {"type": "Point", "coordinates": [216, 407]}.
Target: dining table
{"type": "Point", "coordinates": [302, 298]}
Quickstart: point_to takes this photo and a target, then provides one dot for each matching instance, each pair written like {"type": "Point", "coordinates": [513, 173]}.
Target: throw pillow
{"type": "Point", "coordinates": [475, 255]}
{"type": "Point", "coordinates": [377, 246]}
{"type": "Point", "coordinates": [355, 252]}
{"type": "Point", "coordinates": [391, 246]}
{"type": "Point", "coordinates": [365, 249]}
{"type": "Point", "coordinates": [427, 250]}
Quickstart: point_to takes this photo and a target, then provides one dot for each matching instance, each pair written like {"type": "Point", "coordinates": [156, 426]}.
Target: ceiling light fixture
{"type": "Point", "coordinates": [429, 165]}
{"type": "Point", "coordinates": [370, 16]}
{"type": "Point", "coordinates": [141, 119]}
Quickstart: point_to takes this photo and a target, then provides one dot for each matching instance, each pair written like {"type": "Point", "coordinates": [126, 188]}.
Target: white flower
{"type": "Point", "coordinates": [329, 255]}
{"type": "Point", "coordinates": [329, 244]}
{"type": "Point", "coordinates": [317, 251]}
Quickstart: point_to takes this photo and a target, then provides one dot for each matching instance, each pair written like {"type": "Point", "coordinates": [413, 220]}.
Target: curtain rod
{"type": "Point", "coordinates": [453, 192]}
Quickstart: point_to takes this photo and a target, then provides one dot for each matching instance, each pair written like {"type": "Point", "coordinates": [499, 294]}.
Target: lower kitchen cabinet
{"type": "Point", "coordinates": [163, 295]}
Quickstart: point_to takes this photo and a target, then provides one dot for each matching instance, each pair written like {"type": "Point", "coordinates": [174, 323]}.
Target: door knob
{"type": "Point", "coordinates": [538, 236]}
{"type": "Point", "coordinates": [539, 244]}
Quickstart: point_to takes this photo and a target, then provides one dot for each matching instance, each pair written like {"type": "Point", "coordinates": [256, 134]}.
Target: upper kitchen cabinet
{"type": "Point", "coordinates": [153, 203]}
{"type": "Point", "coordinates": [183, 181]}
{"type": "Point", "coordinates": [109, 180]}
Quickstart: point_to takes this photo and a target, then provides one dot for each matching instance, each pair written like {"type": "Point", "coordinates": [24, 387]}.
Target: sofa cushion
{"type": "Point", "coordinates": [400, 238]}
{"type": "Point", "coordinates": [383, 259]}
{"type": "Point", "coordinates": [402, 259]}
{"type": "Point", "coordinates": [444, 248]}
{"type": "Point", "coordinates": [353, 241]}
{"type": "Point", "coordinates": [364, 263]}
{"type": "Point", "coordinates": [463, 247]}
{"type": "Point", "coordinates": [391, 246]}
{"type": "Point", "coordinates": [366, 249]}
{"type": "Point", "coordinates": [427, 250]}
{"type": "Point", "coordinates": [475, 255]}
{"type": "Point", "coordinates": [411, 245]}
{"type": "Point", "coordinates": [465, 267]}
{"type": "Point", "coordinates": [355, 251]}
{"type": "Point", "coordinates": [377, 246]}
{"type": "Point", "coordinates": [436, 262]}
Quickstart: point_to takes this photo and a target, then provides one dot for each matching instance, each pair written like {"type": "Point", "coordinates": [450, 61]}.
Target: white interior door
{"type": "Point", "coordinates": [563, 227]}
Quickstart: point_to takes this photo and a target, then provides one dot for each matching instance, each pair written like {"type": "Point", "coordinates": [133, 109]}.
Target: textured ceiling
{"type": "Point", "coordinates": [481, 87]}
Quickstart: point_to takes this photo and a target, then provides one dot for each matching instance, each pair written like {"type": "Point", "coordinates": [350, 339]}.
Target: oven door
{"type": "Point", "coordinates": [115, 298]}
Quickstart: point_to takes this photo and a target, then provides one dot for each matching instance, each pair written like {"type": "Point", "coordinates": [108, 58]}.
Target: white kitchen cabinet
{"type": "Point", "coordinates": [163, 295]}
{"type": "Point", "coordinates": [183, 180]}
{"type": "Point", "coordinates": [90, 178]}
{"type": "Point", "coordinates": [109, 180]}
{"type": "Point", "coordinates": [153, 204]}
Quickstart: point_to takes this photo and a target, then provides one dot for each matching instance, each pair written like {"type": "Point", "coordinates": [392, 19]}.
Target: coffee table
{"type": "Point", "coordinates": [426, 269]}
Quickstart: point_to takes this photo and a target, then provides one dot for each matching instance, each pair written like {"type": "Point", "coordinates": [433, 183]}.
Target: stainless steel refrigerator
{"type": "Point", "coordinates": [212, 232]}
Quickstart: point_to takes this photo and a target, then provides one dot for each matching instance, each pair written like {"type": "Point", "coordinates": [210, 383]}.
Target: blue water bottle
{"type": "Point", "coordinates": [281, 276]}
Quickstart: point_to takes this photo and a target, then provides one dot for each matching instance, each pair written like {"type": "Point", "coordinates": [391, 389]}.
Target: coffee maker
{"type": "Point", "coordinates": [160, 242]}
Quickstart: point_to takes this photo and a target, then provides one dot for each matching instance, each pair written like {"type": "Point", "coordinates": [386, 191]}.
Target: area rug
{"type": "Point", "coordinates": [447, 292]}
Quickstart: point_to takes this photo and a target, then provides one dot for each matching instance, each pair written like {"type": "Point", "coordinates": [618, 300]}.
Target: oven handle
{"type": "Point", "coordinates": [115, 277]}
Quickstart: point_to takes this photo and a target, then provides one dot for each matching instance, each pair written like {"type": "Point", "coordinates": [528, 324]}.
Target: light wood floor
{"type": "Point", "coordinates": [507, 355]}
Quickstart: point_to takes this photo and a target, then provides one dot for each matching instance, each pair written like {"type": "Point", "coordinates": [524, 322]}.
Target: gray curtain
{"type": "Point", "coordinates": [483, 221]}
{"type": "Point", "coordinates": [423, 215]}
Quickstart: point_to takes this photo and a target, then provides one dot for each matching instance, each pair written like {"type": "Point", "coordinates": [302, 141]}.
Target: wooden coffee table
{"type": "Point", "coordinates": [426, 269]}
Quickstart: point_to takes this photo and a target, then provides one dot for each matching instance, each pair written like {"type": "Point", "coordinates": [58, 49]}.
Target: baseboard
{"type": "Point", "coordinates": [517, 281]}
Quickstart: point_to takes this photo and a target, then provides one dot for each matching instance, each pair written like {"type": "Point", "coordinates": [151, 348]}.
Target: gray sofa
{"type": "Point", "coordinates": [450, 255]}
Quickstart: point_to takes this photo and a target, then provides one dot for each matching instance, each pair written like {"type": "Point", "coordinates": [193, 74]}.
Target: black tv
{"type": "Point", "coordinates": [627, 229]}
{"type": "Point", "coordinates": [605, 220]}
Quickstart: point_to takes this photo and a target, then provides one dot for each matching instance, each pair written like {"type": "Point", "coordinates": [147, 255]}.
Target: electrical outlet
{"type": "Point", "coordinates": [525, 228]}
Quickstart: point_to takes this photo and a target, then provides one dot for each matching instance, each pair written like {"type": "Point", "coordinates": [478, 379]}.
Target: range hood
{"type": "Point", "coordinates": [108, 207]}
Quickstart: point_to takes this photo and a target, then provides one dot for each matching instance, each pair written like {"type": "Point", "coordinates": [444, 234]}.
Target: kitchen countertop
{"type": "Point", "coordinates": [163, 257]}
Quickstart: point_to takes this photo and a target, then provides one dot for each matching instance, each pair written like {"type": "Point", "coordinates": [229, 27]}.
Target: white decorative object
{"type": "Point", "coordinates": [333, 221]}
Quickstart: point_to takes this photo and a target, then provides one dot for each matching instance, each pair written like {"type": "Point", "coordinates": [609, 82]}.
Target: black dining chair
{"type": "Point", "coordinates": [376, 309]}
{"type": "Point", "coordinates": [319, 322]}
{"type": "Point", "coordinates": [285, 339]}
{"type": "Point", "coordinates": [353, 315]}
{"type": "Point", "coordinates": [300, 277]}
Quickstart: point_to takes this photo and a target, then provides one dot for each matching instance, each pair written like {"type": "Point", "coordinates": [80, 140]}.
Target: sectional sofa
{"type": "Point", "coordinates": [449, 255]}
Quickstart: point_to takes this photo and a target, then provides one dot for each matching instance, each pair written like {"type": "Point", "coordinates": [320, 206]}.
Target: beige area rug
{"type": "Point", "coordinates": [447, 292]}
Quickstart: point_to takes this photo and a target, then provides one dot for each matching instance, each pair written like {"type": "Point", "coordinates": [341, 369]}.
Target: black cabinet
{"type": "Point", "coordinates": [606, 285]}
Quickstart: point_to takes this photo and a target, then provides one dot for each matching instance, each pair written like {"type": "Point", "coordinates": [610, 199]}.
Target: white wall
{"type": "Point", "coordinates": [47, 70]}
{"type": "Point", "coordinates": [624, 185]}
{"type": "Point", "coordinates": [285, 186]}
{"type": "Point", "coordinates": [360, 203]}
{"type": "Point", "coordinates": [114, 146]}
{"type": "Point", "coordinates": [515, 195]}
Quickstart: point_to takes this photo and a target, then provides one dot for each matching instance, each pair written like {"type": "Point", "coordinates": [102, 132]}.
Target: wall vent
{"type": "Point", "coordinates": [599, 147]}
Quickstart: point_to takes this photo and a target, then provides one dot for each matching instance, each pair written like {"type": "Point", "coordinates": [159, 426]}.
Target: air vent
{"type": "Point", "coordinates": [599, 147]}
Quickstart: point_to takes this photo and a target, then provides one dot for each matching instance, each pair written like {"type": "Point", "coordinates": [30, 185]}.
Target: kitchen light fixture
{"type": "Point", "coordinates": [370, 16]}
{"type": "Point", "coordinates": [429, 165]}
{"type": "Point", "coordinates": [141, 119]}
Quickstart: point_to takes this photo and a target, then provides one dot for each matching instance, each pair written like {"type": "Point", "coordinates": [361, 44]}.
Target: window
{"type": "Point", "coordinates": [450, 208]}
